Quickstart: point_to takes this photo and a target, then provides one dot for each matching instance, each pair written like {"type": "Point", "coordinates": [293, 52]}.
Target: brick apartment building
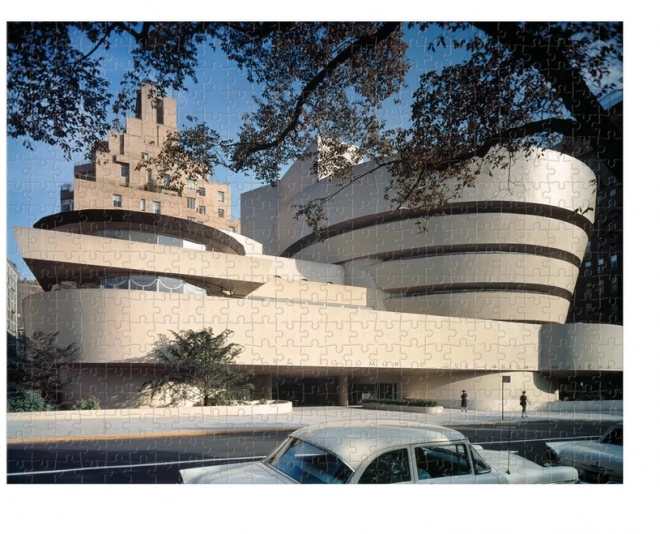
{"type": "Point", "coordinates": [110, 180]}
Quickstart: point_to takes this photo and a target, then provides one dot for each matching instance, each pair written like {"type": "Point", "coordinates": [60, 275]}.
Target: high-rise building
{"type": "Point", "coordinates": [12, 300]}
{"type": "Point", "coordinates": [598, 296]}
{"type": "Point", "coordinates": [110, 181]}
{"type": "Point", "coordinates": [25, 289]}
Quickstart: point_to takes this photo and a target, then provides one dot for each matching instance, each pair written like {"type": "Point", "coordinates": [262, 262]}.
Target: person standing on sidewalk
{"type": "Point", "coordinates": [523, 403]}
{"type": "Point", "coordinates": [464, 397]}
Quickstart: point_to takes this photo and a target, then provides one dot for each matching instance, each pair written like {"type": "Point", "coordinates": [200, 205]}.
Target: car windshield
{"type": "Point", "coordinates": [307, 464]}
{"type": "Point", "coordinates": [480, 466]}
{"type": "Point", "coordinates": [614, 436]}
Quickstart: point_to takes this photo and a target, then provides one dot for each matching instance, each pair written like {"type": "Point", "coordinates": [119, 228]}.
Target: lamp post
{"type": "Point", "coordinates": [505, 380]}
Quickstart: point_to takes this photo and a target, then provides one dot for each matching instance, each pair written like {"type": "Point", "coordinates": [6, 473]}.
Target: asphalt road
{"type": "Point", "coordinates": [157, 461]}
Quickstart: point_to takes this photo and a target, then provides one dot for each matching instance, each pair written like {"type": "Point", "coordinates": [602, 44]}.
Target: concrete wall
{"type": "Point", "coordinates": [581, 347]}
{"type": "Point", "coordinates": [428, 356]}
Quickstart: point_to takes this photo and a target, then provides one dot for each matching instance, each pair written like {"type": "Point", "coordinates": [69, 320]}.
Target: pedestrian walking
{"type": "Point", "coordinates": [464, 397]}
{"type": "Point", "coordinates": [524, 402]}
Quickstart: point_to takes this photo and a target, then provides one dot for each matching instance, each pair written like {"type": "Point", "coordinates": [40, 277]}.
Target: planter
{"type": "Point", "coordinates": [402, 408]}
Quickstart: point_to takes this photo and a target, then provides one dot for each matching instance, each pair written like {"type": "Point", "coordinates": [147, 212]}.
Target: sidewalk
{"type": "Point", "coordinates": [75, 425]}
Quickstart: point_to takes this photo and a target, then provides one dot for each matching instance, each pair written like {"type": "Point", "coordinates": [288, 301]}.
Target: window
{"type": "Point", "coordinates": [201, 192]}
{"type": "Point", "coordinates": [601, 265]}
{"type": "Point", "coordinates": [221, 212]}
{"type": "Point", "coordinates": [232, 228]}
{"type": "Point", "coordinates": [150, 177]}
{"type": "Point", "coordinates": [389, 468]}
{"type": "Point", "coordinates": [221, 196]}
{"type": "Point", "coordinates": [160, 111]}
{"type": "Point", "coordinates": [614, 261]}
{"type": "Point", "coordinates": [612, 192]}
{"type": "Point", "coordinates": [156, 207]}
{"type": "Point", "coordinates": [192, 219]}
{"type": "Point", "coordinates": [67, 205]}
{"type": "Point", "coordinates": [143, 205]}
{"type": "Point", "coordinates": [190, 184]}
{"type": "Point", "coordinates": [145, 156]}
{"type": "Point", "coordinates": [615, 284]}
{"type": "Point", "coordinates": [125, 170]}
{"type": "Point", "coordinates": [442, 461]}
{"type": "Point", "coordinates": [201, 210]}
{"type": "Point", "coordinates": [116, 201]}
{"type": "Point", "coordinates": [166, 180]}
{"type": "Point", "coordinates": [190, 202]}
{"type": "Point", "coordinates": [121, 144]}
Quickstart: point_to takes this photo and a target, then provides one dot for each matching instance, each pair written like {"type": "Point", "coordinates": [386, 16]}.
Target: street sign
{"type": "Point", "coordinates": [506, 379]}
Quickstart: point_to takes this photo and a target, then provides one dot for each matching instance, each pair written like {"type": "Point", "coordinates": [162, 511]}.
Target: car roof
{"type": "Point", "coordinates": [354, 441]}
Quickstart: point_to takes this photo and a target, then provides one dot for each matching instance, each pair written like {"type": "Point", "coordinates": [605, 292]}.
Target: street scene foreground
{"type": "Point", "coordinates": [141, 449]}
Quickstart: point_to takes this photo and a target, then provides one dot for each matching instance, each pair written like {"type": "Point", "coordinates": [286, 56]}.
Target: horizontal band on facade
{"type": "Point", "coordinates": [457, 208]}
{"type": "Point", "coordinates": [446, 250]}
{"type": "Point", "coordinates": [439, 289]}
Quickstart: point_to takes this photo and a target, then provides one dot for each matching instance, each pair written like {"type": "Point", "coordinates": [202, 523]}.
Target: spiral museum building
{"type": "Point", "coordinates": [375, 307]}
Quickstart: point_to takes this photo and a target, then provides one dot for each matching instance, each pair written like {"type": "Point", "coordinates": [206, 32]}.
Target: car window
{"type": "Point", "coordinates": [389, 468]}
{"type": "Point", "coordinates": [436, 461]}
{"type": "Point", "coordinates": [307, 464]}
{"type": "Point", "coordinates": [615, 437]}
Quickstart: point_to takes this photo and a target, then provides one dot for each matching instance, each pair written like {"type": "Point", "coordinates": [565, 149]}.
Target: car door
{"type": "Point", "coordinates": [449, 463]}
{"type": "Point", "coordinates": [388, 467]}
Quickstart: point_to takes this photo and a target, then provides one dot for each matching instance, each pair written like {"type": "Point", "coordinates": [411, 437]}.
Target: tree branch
{"type": "Point", "coordinates": [539, 53]}
{"type": "Point", "coordinates": [363, 42]}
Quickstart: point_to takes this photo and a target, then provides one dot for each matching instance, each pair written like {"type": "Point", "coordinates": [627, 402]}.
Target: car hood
{"type": "Point", "coordinates": [518, 470]}
{"type": "Point", "coordinates": [244, 473]}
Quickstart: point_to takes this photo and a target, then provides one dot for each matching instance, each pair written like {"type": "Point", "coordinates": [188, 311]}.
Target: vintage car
{"type": "Point", "coordinates": [383, 453]}
{"type": "Point", "coordinates": [597, 461]}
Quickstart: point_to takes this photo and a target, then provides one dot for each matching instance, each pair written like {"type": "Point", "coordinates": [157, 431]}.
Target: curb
{"type": "Point", "coordinates": [144, 435]}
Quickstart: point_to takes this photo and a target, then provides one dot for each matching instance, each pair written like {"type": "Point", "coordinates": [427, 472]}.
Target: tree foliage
{"type": "Point", "coordinates": [28, 401]}
{"type": "Point", "coordinates": [199, 367]}
{"type": "Point", "coordinates": [41, 367]}
{"type": "Point", "coordinates": [520, 85]}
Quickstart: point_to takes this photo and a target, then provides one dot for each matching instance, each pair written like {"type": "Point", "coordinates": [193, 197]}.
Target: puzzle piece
{"type": "Point", "coordinates": [502, 318]}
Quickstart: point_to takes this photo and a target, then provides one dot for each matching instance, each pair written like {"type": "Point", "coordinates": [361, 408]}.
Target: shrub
{"type": "Point", "coordinates": [28, 401]}
{"type": "Point", "coordinates": [427, 403]}
{"type": "Point", "coordinates": [92, 403]}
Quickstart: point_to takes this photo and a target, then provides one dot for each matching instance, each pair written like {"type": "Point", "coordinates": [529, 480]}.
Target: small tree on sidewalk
{"type": "Point", "coordinates": [200, 367]}
{"type": "Point", "coordinates": [41, 367]}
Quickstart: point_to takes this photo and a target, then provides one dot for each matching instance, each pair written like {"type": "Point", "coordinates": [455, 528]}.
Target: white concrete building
{"type": "Point", "coordinates": [374, 308]}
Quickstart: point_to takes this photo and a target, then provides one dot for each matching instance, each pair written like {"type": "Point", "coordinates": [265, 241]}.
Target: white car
{"type": "Point", "coordinates": [381, 453]}
{"type": "Point", "coordinates": [597, 461]}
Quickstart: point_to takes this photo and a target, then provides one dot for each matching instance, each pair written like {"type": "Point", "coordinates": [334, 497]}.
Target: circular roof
{"type": "Point", "coordinates": [88, 222]}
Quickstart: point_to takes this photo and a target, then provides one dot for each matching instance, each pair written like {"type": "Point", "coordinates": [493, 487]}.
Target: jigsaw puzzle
{"type": "Point", "coordinates": [315, 253]}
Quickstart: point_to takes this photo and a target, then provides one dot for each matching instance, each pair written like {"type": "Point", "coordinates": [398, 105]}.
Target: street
{"type": "Point", "coordinates": [158, 460]}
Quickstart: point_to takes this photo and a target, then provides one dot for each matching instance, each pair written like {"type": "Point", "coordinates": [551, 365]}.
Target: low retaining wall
{"type": "Point", "coordinates": [273, 408]}
{"type": "Point", "coordinates": [402, 408]}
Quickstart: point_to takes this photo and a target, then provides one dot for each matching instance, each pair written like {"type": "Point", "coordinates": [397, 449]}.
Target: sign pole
{"type": "Point", "coordinates": [505, 379]}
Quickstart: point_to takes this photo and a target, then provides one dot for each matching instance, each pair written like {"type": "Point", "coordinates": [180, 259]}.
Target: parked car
{"type": "Point", "coordinates": [384, 453]}
{"type": "Point", "coordinates": [597, 461]}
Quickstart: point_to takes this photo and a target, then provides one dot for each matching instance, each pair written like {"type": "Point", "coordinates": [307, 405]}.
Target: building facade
{"type": "Point", "coordinates": [111, 179]}
{"type": "Point", "coordinates": [598, 296]}
{"type": "Point", "coordinates": [373, 308]}
{"type": "Point", "coordinates": [12, 300]}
